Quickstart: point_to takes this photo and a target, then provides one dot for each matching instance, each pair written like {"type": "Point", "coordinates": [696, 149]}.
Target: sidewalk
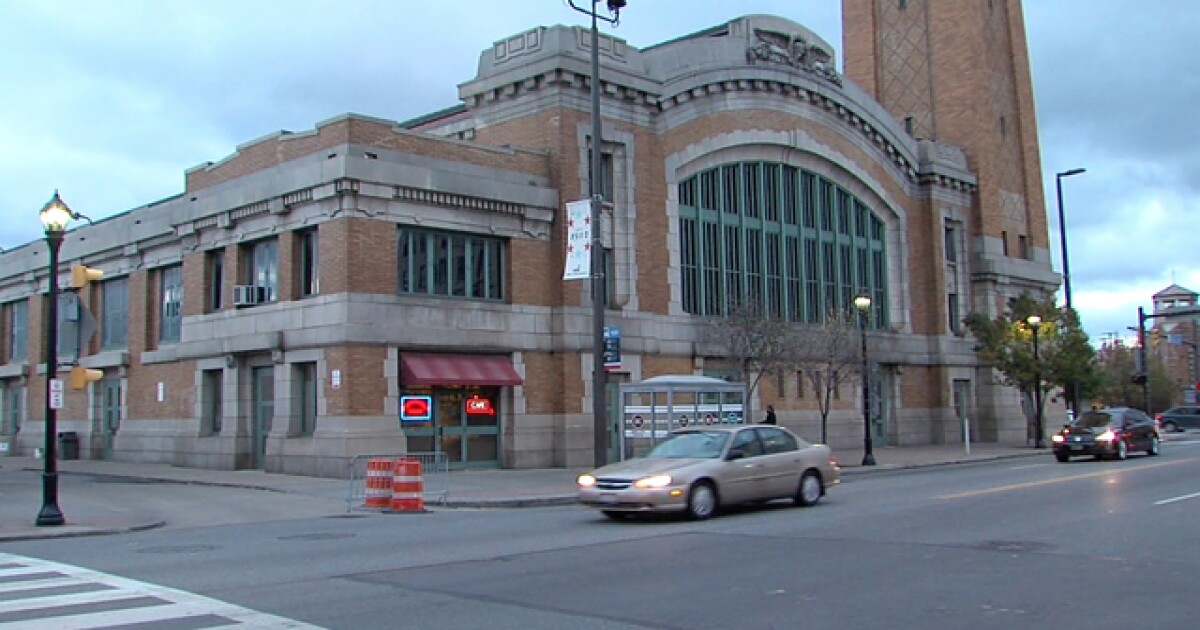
{"type": "Point", "coordinates": [20, 487]}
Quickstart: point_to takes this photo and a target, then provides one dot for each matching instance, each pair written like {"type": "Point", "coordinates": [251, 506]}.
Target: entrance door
{"type": "Point", "coordinates": [881, 385]}
{"type": "Point", "coordinates": [262, 403]}
{"type": "Point", "coordinates": [615, 421]}
{"type": "Point", "coordinates": [465, 426]}
{"type": "Point", "coordinates": [468, 425]}
{"type": "Point", "coordinates": [110, 414]}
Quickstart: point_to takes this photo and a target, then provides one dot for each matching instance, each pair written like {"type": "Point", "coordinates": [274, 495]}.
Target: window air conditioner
{"type": "Point", "coordinates": [247, 295]}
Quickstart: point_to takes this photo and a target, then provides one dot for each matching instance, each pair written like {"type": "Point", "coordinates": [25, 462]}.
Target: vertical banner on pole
{"type": "Point", "coordinates": [579, 240]}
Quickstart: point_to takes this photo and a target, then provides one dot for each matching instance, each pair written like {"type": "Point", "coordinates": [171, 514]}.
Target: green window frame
{"type": "Point", "coordinates": [306, 399]}
{"type": "Point", "coordinates": [450, 264]}
{"type": "Point", "coordinates": [18, 331]}
{"type": "Point", "coordinates": [791, 242]}
{"type": "Point", "coordinates": [262, 266]}
{"type": "Point", "coordinates": [170, 325]}
{"type": "Point", "coordinates": [211, 395]}
{"type": "Point", "coordinates": [114, 313]}
{"type": "Point", "coordinates": [12, 395]}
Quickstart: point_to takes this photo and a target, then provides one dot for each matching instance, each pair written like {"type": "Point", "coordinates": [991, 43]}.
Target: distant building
{"type": "Point", "coordinates": [277, 312]}
{"type": "Point", "coordinates": [1174, 335]}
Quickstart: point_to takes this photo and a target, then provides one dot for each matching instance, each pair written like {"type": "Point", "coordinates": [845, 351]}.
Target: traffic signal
{"type": "Point", "coordinates": [81, 276]}
{"type": "Point", "coordinates": [81, 376]}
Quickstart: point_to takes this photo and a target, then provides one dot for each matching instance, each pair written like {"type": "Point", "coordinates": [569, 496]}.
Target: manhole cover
{"type": "Point", "coordinates": [316, 536]}
{"type": "Point", "coordinates": [1012, 546]}
{"type": "Point", "coordinates": [179, 549]}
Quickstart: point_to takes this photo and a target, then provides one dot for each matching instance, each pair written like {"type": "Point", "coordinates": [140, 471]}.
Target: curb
{"type": "Point", "coordinates": [81, 532]}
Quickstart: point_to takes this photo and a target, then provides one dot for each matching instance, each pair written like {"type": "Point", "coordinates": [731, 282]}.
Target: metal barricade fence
{"type": "Point", "coordinates": [435, 473]}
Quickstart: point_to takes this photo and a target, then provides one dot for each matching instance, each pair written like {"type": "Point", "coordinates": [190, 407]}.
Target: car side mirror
{"type": "Point", "coordinates": [736, 453]}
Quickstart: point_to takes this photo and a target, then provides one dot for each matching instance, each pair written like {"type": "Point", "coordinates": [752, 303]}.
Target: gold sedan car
{"type": "Point", "coordinates": [700, 470]}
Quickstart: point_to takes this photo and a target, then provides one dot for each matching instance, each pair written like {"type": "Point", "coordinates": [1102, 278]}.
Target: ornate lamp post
{"type": "Point", "coordinates": [1035, 322]}
{"type": "Point", "coordinates": [1073, 390]}
{"type": "Point", "coordinates": [54, 217]}
{"type": "Point", "coordinates": [599, 377]}
{"type": "Point", "coordinates": [863, 304]}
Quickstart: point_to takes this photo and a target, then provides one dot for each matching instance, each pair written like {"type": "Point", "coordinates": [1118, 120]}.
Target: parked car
{"type": "Point", "coordinates": [701, 470]}
{"type": "Point", "coordinates": [1179, 418]}
{"type": "Point", "coordinates": [1111, 432]}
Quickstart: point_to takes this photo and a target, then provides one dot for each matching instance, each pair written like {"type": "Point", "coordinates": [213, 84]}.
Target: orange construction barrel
{"type": "Point", "coordinates": [408, 488]}
{"type": "Point", "coordinates": [378, 493]}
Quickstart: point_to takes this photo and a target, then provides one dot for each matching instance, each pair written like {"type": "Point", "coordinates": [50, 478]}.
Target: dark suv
{"type": "Point", "coordinates": [1110, 432]}
{"type": "Point", "coordinates": [1179, 418]}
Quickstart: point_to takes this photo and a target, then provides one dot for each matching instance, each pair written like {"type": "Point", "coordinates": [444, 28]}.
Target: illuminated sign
{"type": "Point", "coordinates": [477, 406]}
{"type": "Point", "coordinates": [416, 408]}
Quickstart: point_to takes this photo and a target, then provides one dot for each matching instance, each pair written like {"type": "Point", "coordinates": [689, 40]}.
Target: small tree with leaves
{"type": "Point", "coordinates": [1064, 354]}
{"type": "Point", "coordinates": [828, 356]}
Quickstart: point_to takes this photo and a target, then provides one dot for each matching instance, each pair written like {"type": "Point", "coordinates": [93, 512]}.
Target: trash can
{"type": "Point", "coordinates": [68, 445]}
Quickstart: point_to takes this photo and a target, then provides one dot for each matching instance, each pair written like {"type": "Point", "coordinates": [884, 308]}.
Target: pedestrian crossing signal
{"type": "Point", "coordinates": [81, 276]}
{"type": "Point", "coordinates": [81, 376]}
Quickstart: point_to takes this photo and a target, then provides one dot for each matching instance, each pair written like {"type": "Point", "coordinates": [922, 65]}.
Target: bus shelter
{"type": "Point", "coordinates": [652, 408]}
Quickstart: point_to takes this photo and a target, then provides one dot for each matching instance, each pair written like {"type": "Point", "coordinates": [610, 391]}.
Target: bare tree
{"type": "Point", "coordinates": [753, 343]}
{"type": "Point", "coordinates": [828, 355]}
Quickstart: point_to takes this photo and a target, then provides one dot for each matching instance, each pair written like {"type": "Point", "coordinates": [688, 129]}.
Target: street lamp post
{"type": "Point", "coordinates": [599, 377]}
{"type": "Point", "coordinates": [1035, 322]}
{"type": "Point", "coordinates": [1073, 390]}
{"type": "Point", "coordinates": [863, 304]}
{"type": "Point", "coordinates": [54, 217]}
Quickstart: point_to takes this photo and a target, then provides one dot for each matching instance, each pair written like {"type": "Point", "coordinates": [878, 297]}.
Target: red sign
{"type": "Point", "coordinates": [477, 406]}
{"type": "Point", "coordinates": [416, 408]}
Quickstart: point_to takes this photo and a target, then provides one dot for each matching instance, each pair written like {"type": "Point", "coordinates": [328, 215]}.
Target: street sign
{"type": "Point", "coordinates": [56, 394]}
{"type": "Point", "coordinates": [612, 348]}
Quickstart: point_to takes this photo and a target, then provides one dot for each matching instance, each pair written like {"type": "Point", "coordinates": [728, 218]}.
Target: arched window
{"type": "Point", "coordinates": [781, 239]}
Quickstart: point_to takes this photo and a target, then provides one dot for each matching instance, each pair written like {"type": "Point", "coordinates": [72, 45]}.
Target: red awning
{"type": "Point", "coordinates": [457, 369]}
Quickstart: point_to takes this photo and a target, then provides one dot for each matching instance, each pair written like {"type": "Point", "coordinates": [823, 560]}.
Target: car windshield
{"type": "Point", "coordinates": [691, 444]}
{"type": "Point", "coordinates": [1093, 420]}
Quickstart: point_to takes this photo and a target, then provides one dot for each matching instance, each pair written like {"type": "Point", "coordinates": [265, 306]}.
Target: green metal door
{"type": "Point", "coordinates": [262, 412]}
{"type": "Point", "coordinates": [465, 426]}
{"type": "Point", "coordinates": [110, 414]}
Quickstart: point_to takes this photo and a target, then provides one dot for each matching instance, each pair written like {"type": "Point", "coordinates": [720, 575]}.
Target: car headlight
{"type": "Point", "coordinates": [586, 480]}
{"type": "Point", "coordinates": [1107, 436]}
{"type": "Point", "coordinates": [654, 481]}
{"type": "Point", "coordinates": [1057, 438]}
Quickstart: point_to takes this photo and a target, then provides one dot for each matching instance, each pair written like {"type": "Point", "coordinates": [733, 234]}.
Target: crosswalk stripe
{"type": "Point", "coordinates": [28, 585]}
{"type": "Point", "coordinates": [128, 601]}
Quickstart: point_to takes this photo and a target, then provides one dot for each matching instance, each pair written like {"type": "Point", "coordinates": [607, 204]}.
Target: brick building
{"type": "Point", "coordinates": [276, 312]}
{"type": "Point", "coordinates": [1174, 337]}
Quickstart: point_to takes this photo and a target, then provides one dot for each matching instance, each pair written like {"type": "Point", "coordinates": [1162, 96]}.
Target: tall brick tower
{"type": "Point", "coordinates": [957, 72]}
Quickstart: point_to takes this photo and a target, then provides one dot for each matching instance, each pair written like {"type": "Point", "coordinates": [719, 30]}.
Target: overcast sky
{"type": "Point", "coordinates": [110, 102]}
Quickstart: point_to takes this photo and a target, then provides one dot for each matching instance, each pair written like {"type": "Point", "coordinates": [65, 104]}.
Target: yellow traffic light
{"type": "Point", "coordinates": [81, 376]}
{"type": "Point", "coordinates": [1155, 337]}
{"type": "Point", "coordinates": [81, 276]}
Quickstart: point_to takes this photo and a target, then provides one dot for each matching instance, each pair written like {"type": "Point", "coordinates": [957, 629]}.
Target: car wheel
{"type": "Point", "coordinates": [1062, 457]}
{"type": "Point", "coordinates": [809, 492]}
{"type": "Point", "coordinates": [1170, 427]}
{"type": "Point", "coordinates": [1153, 450]}
{"type": "Point", "coordinates": [614, 515]}
{"type": "Point", "coordinates": [1122, 450]}
{"type": "Point", "coordinates": [702, 501]}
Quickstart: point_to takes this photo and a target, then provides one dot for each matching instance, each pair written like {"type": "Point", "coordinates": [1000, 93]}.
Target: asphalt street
{"type": "Point", "coordinates": [1008, 543]}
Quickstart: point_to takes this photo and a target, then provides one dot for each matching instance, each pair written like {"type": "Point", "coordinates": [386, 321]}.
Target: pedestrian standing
{"type": "Point", "coordinates": [770, 419]}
